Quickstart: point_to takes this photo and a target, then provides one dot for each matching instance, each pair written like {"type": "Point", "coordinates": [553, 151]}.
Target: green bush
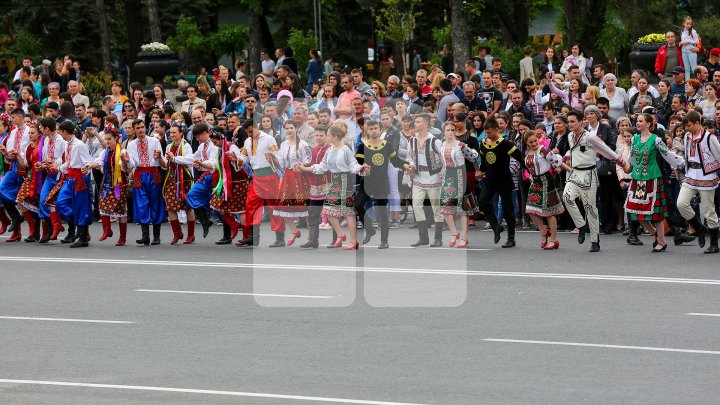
{"type": "Point", "coordinates": [96, 86]}
{"type": "Point", "coordinates": [510, 56]}
{"type": "Point", "coordinates": [301, 44]}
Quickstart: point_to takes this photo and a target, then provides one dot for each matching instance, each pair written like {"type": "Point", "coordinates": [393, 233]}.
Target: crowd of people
{"type": "Point", "coordinates": [563, 148]}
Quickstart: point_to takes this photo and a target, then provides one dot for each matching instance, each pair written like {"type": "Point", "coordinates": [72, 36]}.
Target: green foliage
{"type": "Point", "coordinates": [442, 36]}
{"type": "Point", "coordinates": [510, 56]}
{"type": "Point", "coordinates": [188, 38]}
{"type": "Point", "coordinates": [396, 19]}
{"type": "Point", "coordinates": [96, 86]}
{"type": "Point", "coordinates": [230, 39]}
{"type": "Point", "coordinates": [301, 43]}
{"type": "Point", "coordinates": [614, 37]}
{"type": "Point", "coordinates": [24, 44]}
{"type": "Point", "coordinates": [709, 29]}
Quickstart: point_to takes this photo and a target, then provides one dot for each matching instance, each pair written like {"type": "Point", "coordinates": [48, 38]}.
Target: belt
{"type": "Point", "coordinates": [584, 168]}
{"type": "Point", "coordinates": [263, 171]}
{"type": "Point", "coordinates": [694, 165]}
{"type": "Point", "coordinates": [146, 170]}
{"type": "Point", "coordinates": [75, 173]}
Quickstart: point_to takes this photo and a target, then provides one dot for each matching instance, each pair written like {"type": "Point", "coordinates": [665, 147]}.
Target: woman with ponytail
{"type": "Point", "coordinates": [178, 182]}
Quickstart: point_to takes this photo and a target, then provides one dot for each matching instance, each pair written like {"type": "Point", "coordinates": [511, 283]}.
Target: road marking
{"type": "Point", "coordinates": [32, 318]}
{"type": "Point", "coordinates": [240, 294]}
{"type": "Point", "coordinates": [654, 349]}
{"type": "Point", "coordinates": [701, 314]}
{"type": "Point", "coordinates": [130, 264]}
{"type": "Point", "coordinates": [435, 248]}
{"type": "Point", "coordinates": [208, 392]}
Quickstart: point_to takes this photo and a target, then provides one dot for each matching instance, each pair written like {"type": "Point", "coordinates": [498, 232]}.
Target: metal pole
{"type": "Point", "coordinates": [315, 22]}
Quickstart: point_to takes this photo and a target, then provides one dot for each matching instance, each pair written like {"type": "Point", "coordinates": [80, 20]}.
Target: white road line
{"type": "Point", "coordinates": [648, 348]}
{"type": "Point", "coordinates": [132, 264]}
{"type": "Point", "coordinates": [32, 318]}
{"type": "Point", "coordinates": [208, 392]}
{"type": "Point", "coordinates": [701, 314]}
{"type": "Point", "coordinates": [435, 248]}
{"type": "Point", "coordinates": [240, 294]}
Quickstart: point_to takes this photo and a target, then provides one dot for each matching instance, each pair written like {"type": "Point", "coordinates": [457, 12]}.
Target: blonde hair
{"type": "Point", "coordinates": [594, 92]}
{"type": "Point", "coordinates": [436, 79]}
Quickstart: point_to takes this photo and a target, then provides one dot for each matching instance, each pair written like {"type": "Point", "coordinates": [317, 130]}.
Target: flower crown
{"type": "Point", "coordinates": [110, 128]}
{"type": "Point", "coordinates": [216, 133]}
{"type": "Point", "coordinates": [180, 124]}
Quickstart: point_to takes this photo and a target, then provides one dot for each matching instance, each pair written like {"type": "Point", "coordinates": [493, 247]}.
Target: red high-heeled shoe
{"type": "Point", "coordinates": [338, 242]}
{"type": "Point", "coordinates": [552, 245]}
{"type": "Point", "coordinates": [456, 237]}
{"type": "Point", "coordinates": [294, 236]}
{"type": "Point", "coordinates": [544, 240]}
{"type": "Point", "coordinates": [352, 246]}
{"type": "Point", "coordinates": [462, 244]}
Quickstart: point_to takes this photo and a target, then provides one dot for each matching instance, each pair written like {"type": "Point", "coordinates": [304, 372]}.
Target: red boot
{"type": "Point", "coordinates": [57, 225]}
{"type": "Point", "coordinates": [32, 225]}
{"type": "Point", "coordinates": [16, 236]}
{"type": "Point", "coordinates": [177, 231]}
{"type": "Point", "coordinates": [107, 228]}
{"type": "Point", "coordinates": [191, 233]}
{"type": "Point", "coordinates": [123, 233]}
{"type": "Point", "coordinates": [4, 221]}
{"type": "Point", "coordinates": [233, 224]}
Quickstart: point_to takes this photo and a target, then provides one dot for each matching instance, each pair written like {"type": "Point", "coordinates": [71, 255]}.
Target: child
{"type": "Point", "coordinates": [689, 39]}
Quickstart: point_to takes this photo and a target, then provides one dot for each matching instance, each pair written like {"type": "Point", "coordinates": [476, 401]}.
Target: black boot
{"type": "Point", "coordinates": [227, 235]}
{"type": "Point", "coordinates": [35, 236]}
{"type": "Point", "coordinates": [679, 237]}
{"type": "Point", "coordinates": [279, 240]}
{"type": "Point", "coordinates": [511, 238]}
{"type": "Point", "coordinates": [581, 235]}
{"type": "Point", "coordinates": [145, 239]}
{"type": "Point", "coordinates": [312, 242]}
{"type": "Point", "coordinates": [369, 232]}
{"type": "Point", "coordinates": [699, 230]}
{"type": "Point", "coordinates": [70, 237]}
{"type": "Point", "coordinates": [15, 217]}
{"type": "Point", "coordinates": [47, 230]}
{"type": "Point", "coordinates": [632, 238]}
{"type": "Point", "coordinates": [156, 234]}
{"type": "Point", "coordinates": [82, 240]}
{"type": "Point", "coordinates": [251, 240]}
{"type": "Point", "coordinates": [438, 235]}
{"type": "Point", "coordinates": [594, 247]}
{"type": "Point", "coordinates": [206, 223]}
{"type": "Point", "coordinates": [423, 234]}
{"type": "Point", "coordinates": [497, 230]}
{"type": "Point", "coordinates": [713, 248]}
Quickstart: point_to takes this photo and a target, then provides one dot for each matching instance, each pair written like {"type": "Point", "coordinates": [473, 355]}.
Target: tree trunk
{"type": "Point", "coordinates": [154, 19]}
{"type": "Point", "coordinates": [399, 57]}
{"type": "Point", "coordinates": [133, 22]}
{"type": "Point", "coordinates": [104, 46]}
{"type": "Point", "coordinates": [460, 34]}
{"type": "Point", "coordinates": [255, 43]}
{"type": "Point", "coordinates": [515, 18]}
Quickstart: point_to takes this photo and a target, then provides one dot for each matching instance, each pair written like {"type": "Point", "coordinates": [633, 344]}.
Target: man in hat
{"type": "Point", "coordinates": [678, 83]}
{"type": "Point", "coordinates": [669, 57]}
{"type": "Point", "coordinates": [712, 64]}
{"type": "Point", "coordinates": [457, 81]}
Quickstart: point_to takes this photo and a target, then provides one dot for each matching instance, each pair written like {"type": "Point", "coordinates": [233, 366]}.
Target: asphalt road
{"type": "Point", "coordinates": [202, 324]}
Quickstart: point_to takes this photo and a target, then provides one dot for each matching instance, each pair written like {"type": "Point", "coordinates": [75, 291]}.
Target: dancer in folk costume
{"type": "Point", "coordinates": [294, 188]}
{"type": "Point", "coordinates": [178, 181]}
{"type": "Point", "coordinates": [319, 184]}
{"type": "Point", "coordinates": [340, 161]}
{"type": "Point", "coordinates": [11, 181]}
{"type": "Point", "coordinates": [113, 188]}
{"type": "Point", "coordinates": [232, 188]}
{"type": "Point", "coordinates": [5, 166]}
{"type": "Point", "coordinates": [543, 201]}
{"type": "Point", "coordinates": [53, 149]}
{"type": "Point", "coordinates": [258, 152]}
{"type": "Point", "coordinates": [73, 201]}
{"type": "Point", "coordinates": [702, 154]}
{"type": "Point", "coordinates": [143, 159]}
{"type": "Point", "coordinates": [456, 198]}
{"type": "Point", "coordinates": [28, 197]}
{"type": "Point", "coordinates": [646, 195]}
{"type": "Point", "coordinates": [198, 198]}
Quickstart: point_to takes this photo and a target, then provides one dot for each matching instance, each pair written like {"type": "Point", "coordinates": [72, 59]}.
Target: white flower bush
{"type": "Point", "coordinates": [155, 47]}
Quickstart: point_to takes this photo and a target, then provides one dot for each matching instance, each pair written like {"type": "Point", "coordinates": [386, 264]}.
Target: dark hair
{"type": "Point", "coordinates": [575, 113]}
{"type": "Point", "coordinates": [372, 123]}
{"type": "Point", "coordinates": [34, 108]}
{"type": "Point", "coordinates": [48, 123]}
{"type": "Point", "coordinates": [150, 95]}
{"type": "Point", "coordinates": [446, 84]}
{"type": "Point", "coordinates": [692, 117]}
{"type": "Point", "coordinates": [200, 128]}
{"type": "Point", "coordinates": [67, 126]}
{"type": "Point", "coordinates": [316, 55]}
{"type": "Point", "coordinates": [67, 110]}
{"type": "Point", "coordinates": [137, 121]}
{"type": "Point", "coordinates": [603, 101]}
{"type": "Point", "coordinates": [491, 123]}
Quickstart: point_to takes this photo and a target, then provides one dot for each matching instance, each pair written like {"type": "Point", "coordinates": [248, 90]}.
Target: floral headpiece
{"type": "Point", "coordinates": [216, 133]}
{"type": "Point", "coordinates": [180, 124]}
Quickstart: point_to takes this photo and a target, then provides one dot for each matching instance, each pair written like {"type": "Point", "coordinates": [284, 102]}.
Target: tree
{"type": "Point", "coordinates": [460, 33]}
{"type": "Point", "coordinates": [230, 39]}
{"type": "Point", "coordinates": [154, 19]}
{"type": "Point", "coordinates": [395, 21]}
{"type": "Point", "coordinates": [583, 26]}
{"type": "Point", "coordinates": [301, 45]}
{"type": "Point", "coordinates": [104, 45]}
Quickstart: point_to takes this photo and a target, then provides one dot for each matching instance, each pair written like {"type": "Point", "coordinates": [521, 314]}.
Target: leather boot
{"type": "Point", "coordinates": [206, 223]}
{"type": "Point", "coordinates": [423, 238]}
{"type": "Point", "coordinates": [583, 231]}
{"type": "Point", "coordinates": [438, 235]}
{"type": "Point", "coordinates": [251, 236]}
{"type": "Point", "coordinates": [16, 236]}
{"type": "Point", "coordinates": [510, 242]}
{"type": "Point", "coordinates": [145, 238]}
{"type": "Point", "coordinates": [4, 221]}
{"type": "Point", "coordinates": [32, 226]}
{"type": "Point", "coordinates": [713, 248]}
{"type": "Point", "coordinates": [680, 237]}
{"type": "Point", "coordinates": [279, 240]}
{"type": "Point", "coordinates": [176, 229]}
{"type": "Point", "coordinates": [83, 238]}
{"type": "Point", "coordinates": [233, 224]}
{"type": "Point", "coordinates": [227, 232]}
{"type": "Point", "coordinates": [70, 237]}
{"type": "Point", "coordinates": [156, 234]}
{"type": "Point", "coordinates": [312, 242]}
{"type": "Point", "coordinates": [191, 233]}
{"type": "Point", "coordinates": [632, 238]}
{"type": "Point", "coordinates": [699, 230]}
{"type": "Point", "coordinates": [47, 229]}
{"type": "Point", "coordinates": [123, 234]}
{"type": "Point", "coordinates": [57, 225]}
{"type": "Point", "coordinates": [107, 228]}
{"type": "Point", "coordinates": [15, 218]}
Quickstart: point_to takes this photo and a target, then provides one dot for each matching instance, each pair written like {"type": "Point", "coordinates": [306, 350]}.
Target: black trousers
{"type": "Point", "coordinates": [380, 205]}
{"type": "Point", "coordinates": [485, 204]}
{"type": "Point", "coordinates": [609, 193]}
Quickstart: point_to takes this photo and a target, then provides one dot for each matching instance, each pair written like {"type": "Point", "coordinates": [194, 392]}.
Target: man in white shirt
{"type": "Point", "coordinates": [198, 198]}
{"type": "Point", "coordinates": [74, 202]}
{"type": "Point", "coordinates": [27, 61]}
{"type": "Point", "coordinates": [280, 57]}
{"type": "Point", "coordinates": [143, 159]}
{"type": "Point", "coordinates": [53, 150]}
{"type": "Point", "coordinates": [15, 144]}
{"type": "Point", "coordinates": [77, 98]}
{"type": "Point", "coordinates": [268, 65]}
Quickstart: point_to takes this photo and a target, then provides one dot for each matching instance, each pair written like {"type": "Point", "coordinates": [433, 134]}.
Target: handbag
{"type": "Point", "coordinates": [605, 167]}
